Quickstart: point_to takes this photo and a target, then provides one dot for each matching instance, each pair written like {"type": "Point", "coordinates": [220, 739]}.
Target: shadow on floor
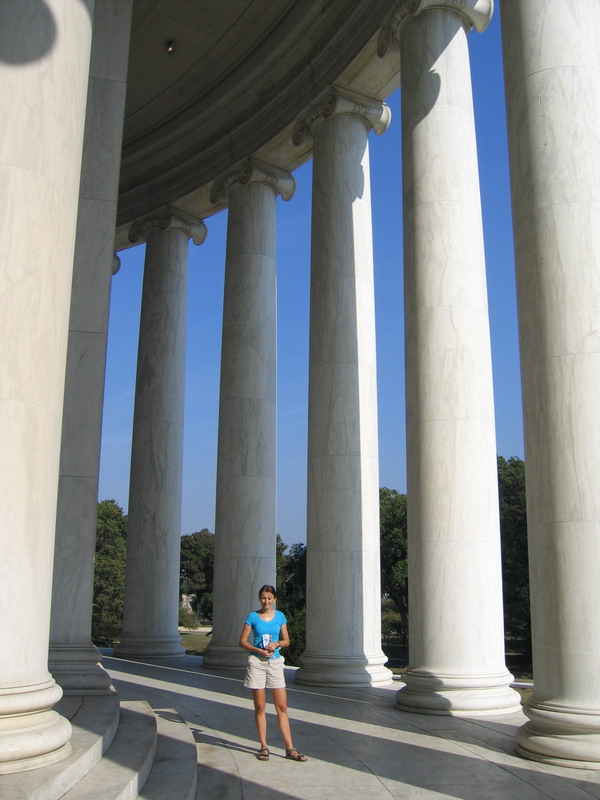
{"type": "Point", "coordinates": [359, 745]}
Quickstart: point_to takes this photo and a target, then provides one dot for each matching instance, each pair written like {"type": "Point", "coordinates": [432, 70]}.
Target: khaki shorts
{"type": "Point", "coordinates": [264, 673]}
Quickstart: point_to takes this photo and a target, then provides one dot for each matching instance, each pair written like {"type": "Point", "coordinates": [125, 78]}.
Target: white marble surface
{"type": "Point", "coordinates": [245, 575]}
{"type": "Point", "coordinates": [552, 72]}
{"type": "Point", "coordinates": [86, 355]}
{"type": "Point", "coordinates": [154, 521]}
{"type": "Point", "coordinates": [44, 81]}
{"type": "Point", "coordinates": [245, 517]}
{"type": "Point", "coordinates": [358, 745]}
{"type": "Point", "coordinates": [343, 615]}
{"type": "Point", "coordinates": [456, 659]}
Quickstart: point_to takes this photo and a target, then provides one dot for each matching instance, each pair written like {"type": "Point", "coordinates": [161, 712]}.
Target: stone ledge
{"type": "Point", "coordinates": [125, 766]}
{"type": "Point", "coordinates": [95, 720]}
{"type": "Point", "coordinates": [175, 769]}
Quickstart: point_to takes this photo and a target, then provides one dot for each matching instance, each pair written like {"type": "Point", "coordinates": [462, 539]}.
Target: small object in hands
{"type": "Point", "coordinates": [263, 754]}
{"type": "Point", "coordinates": [294, 755]}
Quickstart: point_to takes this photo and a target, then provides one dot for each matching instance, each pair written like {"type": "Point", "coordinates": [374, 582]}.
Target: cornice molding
{"type": "Point", "coordinates": [248, 171]}
{"type": "Point", "coordinates": [166, 219]}
{"type": "Point", "coordinates": [245, 106]}
{"type": "Point", "coordinates": [376, 114]}
{"type": "Point", "coordinates": [475, 13]}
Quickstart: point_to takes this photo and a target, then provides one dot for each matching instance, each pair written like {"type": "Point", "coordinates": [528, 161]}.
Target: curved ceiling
{"type": "Point", "coordinates": [212, 81]}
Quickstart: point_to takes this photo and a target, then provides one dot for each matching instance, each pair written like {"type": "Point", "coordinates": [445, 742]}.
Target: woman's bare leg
{"type": "Point", "coordinates": [280, 701]}
{"type": "Point", "coordinates": [260, 717]}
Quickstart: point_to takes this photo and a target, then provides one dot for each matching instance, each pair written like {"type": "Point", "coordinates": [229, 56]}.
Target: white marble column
{"type": "Point", "coordinates": [73, 659]}
{"type": "Point", "coordinates": [552, 75]}
{"type": "Point", "coordinates": [343, 585]}
{"type": "Point", "coordinates": [150, 616]}
{"type": "Point", "coordinates": [44, 55]}
{"type": "Point", "coordinates": [246, 481]}
{"type": "Point", "coordinates": [456, 657]}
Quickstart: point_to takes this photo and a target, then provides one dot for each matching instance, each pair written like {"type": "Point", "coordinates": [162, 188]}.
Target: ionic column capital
{"type": "Point", "coordinates": [252, 171]}
{"type": "Point", "coordinates": [475, 13]}
{"type": "Point", "coordinates": [376, 114]}
{"type": "Point", "coordinates": [116, 265]}
{"type": "Point", "coordinates": [165, 219]}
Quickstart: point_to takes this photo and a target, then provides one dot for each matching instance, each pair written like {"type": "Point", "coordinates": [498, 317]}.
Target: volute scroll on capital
{"type": "Point", "coordinates": [374, 112]}
{"type": "Point", "coordinates": [476, 14]}
{"type": "Point", "coordinates": [168, 218]}
{"type": "Point", "coordinates": [253, 171]}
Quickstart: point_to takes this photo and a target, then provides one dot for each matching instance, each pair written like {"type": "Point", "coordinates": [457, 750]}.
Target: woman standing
{"type": "Point", "coordinates": [263, 635]}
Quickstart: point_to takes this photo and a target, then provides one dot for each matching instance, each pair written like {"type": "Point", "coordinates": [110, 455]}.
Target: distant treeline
{"type": "Point", "coordinates": [197, 560]}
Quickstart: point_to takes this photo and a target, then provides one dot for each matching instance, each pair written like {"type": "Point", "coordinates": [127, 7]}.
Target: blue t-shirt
{"type": "Point", "coordinates": [264, 632]}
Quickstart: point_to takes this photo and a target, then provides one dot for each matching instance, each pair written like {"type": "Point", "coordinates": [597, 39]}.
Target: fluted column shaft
{"type": "Point", "coordinates": [44, 55]}
{"type": "Point", "coordinates": [73, 659]}
{"type": "Point", "coordinates": [456, 659]}
{"type": "Point", "coordinates": [343, 606]}
{"type": "Point", "coordinates": [150, 616]}
{"type": "Point", "coordinates": [552, 75]}
{"type": "Point", "coordinates": [246, 461]}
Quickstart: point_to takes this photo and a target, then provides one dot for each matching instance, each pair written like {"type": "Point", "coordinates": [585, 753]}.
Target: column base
{"type": "Point", "coordinates": [458, 695]}
{"type": "Point", "coordinates": [31, 734]}
{"type": "Point", "coordinates": [149, 647]}
{"type": "Point", "coordinates": [225, 656]}
{"type": "Point", "coordinates": [560, 735]}
{"type": "Point", "coordinates": [77, 670]}
{"type": "Point", "coordinates": [332, 671]}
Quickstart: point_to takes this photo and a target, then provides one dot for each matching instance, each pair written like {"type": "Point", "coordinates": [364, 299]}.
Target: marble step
{"type": "Point", "coordinates": [94, 720]}
{"type": "Point", "coordinates": [175, 769]}
{"type": "Point", "coordinates": [125, 766]}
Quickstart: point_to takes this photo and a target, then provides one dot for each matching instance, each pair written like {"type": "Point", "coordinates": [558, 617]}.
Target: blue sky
{"type": "Point", "coordinates": [205, 301]}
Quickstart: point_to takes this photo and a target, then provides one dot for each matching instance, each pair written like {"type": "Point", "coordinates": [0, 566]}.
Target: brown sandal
{"type": "Point", "coordinates": [297, 757]}
{"type": "Point", "coordinates": [263, 754]}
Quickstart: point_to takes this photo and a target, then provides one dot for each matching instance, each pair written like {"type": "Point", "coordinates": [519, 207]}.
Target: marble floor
{"type": "Point", "coordinates": [358, 744]}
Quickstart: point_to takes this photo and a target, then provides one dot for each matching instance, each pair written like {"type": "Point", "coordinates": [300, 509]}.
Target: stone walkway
{"type": "Point", "coordinates": [358, 744]}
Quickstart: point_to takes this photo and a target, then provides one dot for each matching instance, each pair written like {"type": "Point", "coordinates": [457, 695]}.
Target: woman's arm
{"type": "Point", "coordinates": [248, 645]}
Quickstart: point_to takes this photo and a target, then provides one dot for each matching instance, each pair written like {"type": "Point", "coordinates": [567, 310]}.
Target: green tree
{"type": "Point", "coordinates": [515, 562]}
{"type": "Point", "coordinates": [291, 598]}
{"type": "Point", "coordinates": [197, 569]}
{"type": "Point", "coordinates": [391, 623]}
{"type": "Point", "coordinates": [280, 548]}
{"type": "Point", "coordinates": [292, 579]}
{"type": "Point", "coordinates": [394, 555]}
{"type": "Point", "coordinates": [109, 573]}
